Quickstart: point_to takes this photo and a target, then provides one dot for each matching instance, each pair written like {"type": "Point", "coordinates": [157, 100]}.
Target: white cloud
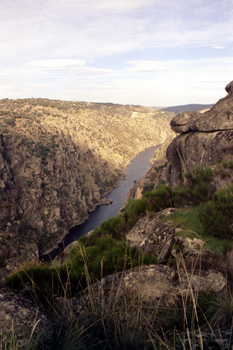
{"type": "Point", "coordinates": [48, 48]}
{"type": "Point", "coordinates": [78, 29]}
{"type": "Point", "coordinates": [144, 82]}
{"type": "Point", "coordinates": [57, 64]}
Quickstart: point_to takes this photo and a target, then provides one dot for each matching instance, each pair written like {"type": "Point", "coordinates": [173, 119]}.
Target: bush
{"type": "Point", "coordinates": [217, 215]}
{"type": "Point", "coordinates": [105, 256]}
{"type": "Point", "coordinates": [115, 226]}
{"type": "Point", "coordinates": [181, 195]}
{"type": "Point", "coordinates": [199, 181]}
{"type": "Point", "coordinates": [159, 199]}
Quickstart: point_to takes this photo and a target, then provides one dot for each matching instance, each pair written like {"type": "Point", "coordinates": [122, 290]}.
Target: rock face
{"type": "Point", "coordinates": [153, 236]}
{"type": "Point", "coordinates": [57, 161]}
{"type": "Point", "coordinates": [203, 138]}
{"type": "Point", "coordinates": [21, 319]}
{"type": "Point", "coordinates": [158, 284]}
{"type": "Point", "coordinates": [219, 117]}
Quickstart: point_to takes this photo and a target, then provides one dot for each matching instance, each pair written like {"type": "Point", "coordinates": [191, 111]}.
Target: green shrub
{"type": "Point", "coordinates": [228, 165]}
{"type": "Point", "coordinates": [134, 209]}
{"type": "Point", "coordinates": [115, 226]}
{"type": "Point", "coordinates": [181, 195]}
{"type": "Point", "coordinates": [159, 199]}
{"type": "Point", "coordinates": [148, 187]}
{"type": "Point", "coordinates": [10, 121]}
{"type": "Point", "coordinates": [199, 182]}
{"type": "Point", "coordinates": [84, 264]}
{"type": "Point", "coordinates": [217, 215]}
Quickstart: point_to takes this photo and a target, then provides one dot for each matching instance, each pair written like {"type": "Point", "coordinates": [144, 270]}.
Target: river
{"type": "Point", "coordinates": [134, 171]}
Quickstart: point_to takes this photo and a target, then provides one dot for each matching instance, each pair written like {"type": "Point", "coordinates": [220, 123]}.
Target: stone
{"type": "Point", "coordinates": [219, 117]}
{"type": "Point", "coordinates": [158, 284]}
{"type": "Point", "coordinates": [183, 122]}
{"type": "Point", "coordinates": [195, 149]}
{"type": "Point", "coordinates": [203, 139]}
{"type": "Point", "coordinates": [23, 321]}
{"type": "Point", "coordinates": [153, 236]}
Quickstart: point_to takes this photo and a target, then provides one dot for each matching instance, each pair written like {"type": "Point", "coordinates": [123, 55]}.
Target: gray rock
{"type": "Point", "coordinates": [155, 283]}
{"type": "Point", "coordinates": [183, 122]}
{"type": "Point", "coordinates": [194, 149]}
{"type": "Point", "coordinates": [219, 117]}
{"type": "Point", "coordinates": [21, 320]}
{"type": "Point", "coordinates": [153, 236]}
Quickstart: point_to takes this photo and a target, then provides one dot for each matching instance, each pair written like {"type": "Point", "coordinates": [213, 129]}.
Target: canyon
{"type": "Point", "coordinates": [185, 274]}
{"type": "Point", "coordinates": [58, 160]}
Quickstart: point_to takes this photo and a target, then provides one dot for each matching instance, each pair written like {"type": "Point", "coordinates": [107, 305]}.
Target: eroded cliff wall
{"type": "Point", "coordinates": [204, 139]}
{"type": "Point", "coordinates": [57, 161]}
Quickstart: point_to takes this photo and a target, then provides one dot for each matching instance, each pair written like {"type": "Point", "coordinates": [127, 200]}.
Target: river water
{"type": "Point", "coordinates": [134, 171]}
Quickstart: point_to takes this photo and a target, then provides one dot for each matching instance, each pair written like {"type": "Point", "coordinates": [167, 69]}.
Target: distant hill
{"type": "Point", "coordinates": [186, 108]}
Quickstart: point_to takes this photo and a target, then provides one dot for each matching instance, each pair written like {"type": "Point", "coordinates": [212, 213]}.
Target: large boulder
{"type": "Point", "coordinates": [183, 122]}
{"type": "Point", "coordinates": [23, 322]}
{"type": "Point", "coordinates": [153, 236]}
{"type": "Point", "coordinates": [158, 284]}
{"type": "Point", "coordinates": [203, 138]}
{"type": "Point", "coordinates": [219, 117]}
{"type": "Point", "coordinates": [194, 149]}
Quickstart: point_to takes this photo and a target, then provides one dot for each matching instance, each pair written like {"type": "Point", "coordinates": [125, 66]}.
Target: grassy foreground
{"type": "Point", "coordinates": [194, 321]}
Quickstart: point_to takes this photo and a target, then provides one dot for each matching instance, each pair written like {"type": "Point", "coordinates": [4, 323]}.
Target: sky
{"type": "Point", "coordinates": [147, 52]}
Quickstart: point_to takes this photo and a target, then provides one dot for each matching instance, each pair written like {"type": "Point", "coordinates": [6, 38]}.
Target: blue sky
{"type": "Point", "coordinates": [148, 52]}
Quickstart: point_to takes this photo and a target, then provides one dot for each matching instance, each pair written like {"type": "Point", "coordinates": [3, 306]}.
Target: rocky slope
{"type": "Point", "coordinates": [58, 160]}
{"type": "Point", "coordinates": [205, 139]}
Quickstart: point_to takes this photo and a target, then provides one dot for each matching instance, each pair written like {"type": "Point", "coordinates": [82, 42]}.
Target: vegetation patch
{"type": "Point", "coordinates": [192, 227]}
{"type": "Point", "coordinates": [217, 214]}
{"type": "Point", "coordinates": [100, 257]}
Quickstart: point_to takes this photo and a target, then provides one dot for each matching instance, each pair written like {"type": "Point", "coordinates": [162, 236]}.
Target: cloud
{"type": "Point", "coordinates": [219, 47]}
{"type": "Point", "coordinates": [77, 29]}
{"type": "Point", "coordinates": [120, 6]}
{"type": "Point", "coordinates": [67, 49]}
{"type": "Point", "coordinates": [57, 64]}
{"type": "Point", "coordinates": [167, 82]}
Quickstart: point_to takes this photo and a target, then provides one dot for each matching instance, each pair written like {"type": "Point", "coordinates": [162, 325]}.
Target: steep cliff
{"type": "Point", "coordinates": [204, 140]}
{"type": "Point", "coordinates": [57, 161]}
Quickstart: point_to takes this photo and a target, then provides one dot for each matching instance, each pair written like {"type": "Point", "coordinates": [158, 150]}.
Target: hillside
{"type": "Point", "coordinates": [57, 161]}
{"type": "Point", "coordinates": [187, 108]}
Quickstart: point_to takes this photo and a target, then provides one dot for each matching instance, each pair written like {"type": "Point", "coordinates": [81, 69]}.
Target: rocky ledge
{"type": "Point", "coordinates": [204, 138]}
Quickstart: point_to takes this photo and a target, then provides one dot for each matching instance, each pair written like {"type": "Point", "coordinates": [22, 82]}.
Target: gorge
{"type": "Point", "coordinates": [134, 171]}
{"type": "Point", "coordinates": [58, 160]}
{"type": "Point", "coordinates": [160, 273]}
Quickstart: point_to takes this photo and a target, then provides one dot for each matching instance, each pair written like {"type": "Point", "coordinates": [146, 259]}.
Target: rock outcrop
{"type": "Point", "coordinates": [203, 140]}
{"type": "Point", "coordinates": [159, 284]}
{"type": "Point", "coordinates": [153, 236]}
{"type": "Point", "coordinates": [219, 117]}
{"type": "Point", "coordinates": [22, 323]}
